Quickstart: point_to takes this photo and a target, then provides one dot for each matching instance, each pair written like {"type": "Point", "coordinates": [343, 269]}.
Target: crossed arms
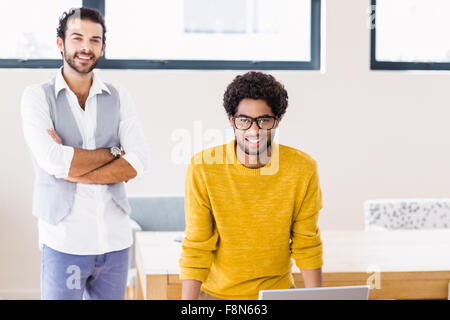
{"type": "Point", "coordinates": [96, 166]}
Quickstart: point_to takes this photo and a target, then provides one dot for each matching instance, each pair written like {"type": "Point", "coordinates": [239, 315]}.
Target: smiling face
{"type": "Point", "coordinates": [83, 45]}
{"type": "Point", "coordinates": [253, 141]}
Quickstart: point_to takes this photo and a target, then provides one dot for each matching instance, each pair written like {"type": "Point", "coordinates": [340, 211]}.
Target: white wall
{"type": "Point", "coordinates": [374, 134]}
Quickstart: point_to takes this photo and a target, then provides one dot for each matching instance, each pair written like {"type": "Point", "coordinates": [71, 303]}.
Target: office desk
{"type": "Point", "coordinates": [396, 264]}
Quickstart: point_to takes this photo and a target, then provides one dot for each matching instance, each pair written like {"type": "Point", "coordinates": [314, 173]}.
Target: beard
{"type": "Point", "coordinates": [71, 62]}
{"type": "Point", "coordinates": [262, 149]}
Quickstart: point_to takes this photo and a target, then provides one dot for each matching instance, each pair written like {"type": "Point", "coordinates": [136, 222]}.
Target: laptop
{"type": "Point", "coordinates": [322, 293]}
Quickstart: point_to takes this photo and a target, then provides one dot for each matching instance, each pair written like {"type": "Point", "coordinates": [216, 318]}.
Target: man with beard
{"type": "Point", "coordinates": [86, 141]}
{"type": "Point", "coordinates": [252, 204]}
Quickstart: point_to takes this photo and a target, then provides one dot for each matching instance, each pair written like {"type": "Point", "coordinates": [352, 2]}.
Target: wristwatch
{"type": "Point", "coordinates": [116, 152]}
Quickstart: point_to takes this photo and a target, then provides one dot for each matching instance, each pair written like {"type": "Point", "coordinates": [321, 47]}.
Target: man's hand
{"type": "Point", "coordinates": [190, 289]}
{"type": "Point", "coordinates": [72, 179]}
{"type": "Point", "coordinates": [312, 278]}
{"type": "Point", "coordinates": [52, 132]}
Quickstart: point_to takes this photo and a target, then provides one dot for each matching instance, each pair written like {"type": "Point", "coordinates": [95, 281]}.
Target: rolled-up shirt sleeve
{"type": "Point", "coordinates": [201, 237]}
{"type": "Point", "coordinates": [132, 137]}
{"type": "Point", "coordinates": [52, 157]}
{"type": "Point", "coordinates": [306, 243]}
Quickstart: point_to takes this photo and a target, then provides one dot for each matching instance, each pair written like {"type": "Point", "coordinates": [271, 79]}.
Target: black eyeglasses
{"type": "Point", "coordinates": [263, 122]}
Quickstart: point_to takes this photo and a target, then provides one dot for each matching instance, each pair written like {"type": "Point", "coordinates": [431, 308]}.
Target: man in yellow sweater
{"type": "Point", "coordinates": [251, 205]}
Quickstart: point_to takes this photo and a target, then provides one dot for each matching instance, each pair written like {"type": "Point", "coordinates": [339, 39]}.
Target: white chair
{"type": "Point", "coordinates": [394, 214]}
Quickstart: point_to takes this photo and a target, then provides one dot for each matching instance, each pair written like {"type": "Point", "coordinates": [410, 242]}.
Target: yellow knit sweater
{"type": "Point", "coordinates": [244, 225]}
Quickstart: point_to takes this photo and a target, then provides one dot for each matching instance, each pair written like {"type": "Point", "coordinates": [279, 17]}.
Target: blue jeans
{"type": "Point", "coordinates": [91, 277]}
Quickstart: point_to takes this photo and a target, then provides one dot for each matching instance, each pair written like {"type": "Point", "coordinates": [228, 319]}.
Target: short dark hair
{"type": "Point", "coordinates": [81, 13]}
{"type": "Point", "coordinates": [256, 85]}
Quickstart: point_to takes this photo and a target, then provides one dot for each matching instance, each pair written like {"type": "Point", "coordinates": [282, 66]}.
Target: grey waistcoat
{"type": "Point", "coordinates": [53, 198]}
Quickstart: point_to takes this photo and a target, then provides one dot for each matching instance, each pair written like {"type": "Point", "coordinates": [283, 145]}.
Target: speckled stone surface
{"type": "Point", "coordinates": [393, 214]}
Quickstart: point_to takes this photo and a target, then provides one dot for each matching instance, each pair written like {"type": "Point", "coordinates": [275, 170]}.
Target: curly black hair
{"type": "Point", "coordinates": [256, 85]}
{"type": "Point", "coordinates": [81, 13]}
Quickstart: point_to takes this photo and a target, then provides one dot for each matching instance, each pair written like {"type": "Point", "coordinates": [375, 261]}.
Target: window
{"type": "Point", "coordinates": [410, 35]}
{"type": "Point", "coordinates": [180, 34]}
{"type": "Point", "coordinates": [32, 35]}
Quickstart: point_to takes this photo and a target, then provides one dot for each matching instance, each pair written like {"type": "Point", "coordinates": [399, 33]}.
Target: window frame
{"type": "Point", "coordinates": [104, 63]}
{"type": "Point", "coordinates": [396, 65]}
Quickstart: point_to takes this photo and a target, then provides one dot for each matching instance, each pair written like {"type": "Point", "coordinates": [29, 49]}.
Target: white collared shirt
{"type": "Point", "coordinates": [95, 225]}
